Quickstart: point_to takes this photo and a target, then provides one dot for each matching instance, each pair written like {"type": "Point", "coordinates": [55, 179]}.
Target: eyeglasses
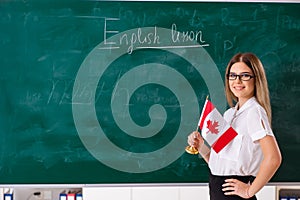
{"type": "Point", "coordinates": [243, 77]}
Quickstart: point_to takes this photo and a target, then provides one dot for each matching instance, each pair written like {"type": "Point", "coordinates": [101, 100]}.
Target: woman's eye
{"type": "Point", "coordinates": [245, 75]}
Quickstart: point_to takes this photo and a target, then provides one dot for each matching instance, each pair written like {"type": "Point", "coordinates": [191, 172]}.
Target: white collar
{"type": "Point", "coordinates": [246, 105]}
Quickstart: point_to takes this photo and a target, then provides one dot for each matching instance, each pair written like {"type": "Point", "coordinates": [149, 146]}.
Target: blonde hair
{"type": "Point", "coordinates": [261, 92]}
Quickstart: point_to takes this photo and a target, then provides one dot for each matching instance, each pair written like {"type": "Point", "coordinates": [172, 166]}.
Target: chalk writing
{"type": "Point", "coordinates": [144, 39]}
{"type": "Point", "coordinates": [61, 93]}
{"type": "Point", "coordinates": [140, 38]}
{"type": "Point", "coordinates": [187, 36]}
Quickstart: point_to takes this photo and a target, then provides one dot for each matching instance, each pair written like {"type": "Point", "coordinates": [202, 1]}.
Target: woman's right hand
{"type": "Point", "coordinates": [195, 140]}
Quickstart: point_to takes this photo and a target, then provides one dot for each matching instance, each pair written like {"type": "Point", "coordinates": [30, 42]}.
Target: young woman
{"type": "Point", "coordinates": [248, 162]}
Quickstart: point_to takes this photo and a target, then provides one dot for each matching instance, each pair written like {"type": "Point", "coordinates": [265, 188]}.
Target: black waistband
{"type": "Point", "coordinates": [245, 179]}
{"type": "Point", "coordinates": [215, 187]}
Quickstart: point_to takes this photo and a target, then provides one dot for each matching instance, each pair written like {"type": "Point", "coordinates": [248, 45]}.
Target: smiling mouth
{"type": "Point", "coordinates": [239, 87]}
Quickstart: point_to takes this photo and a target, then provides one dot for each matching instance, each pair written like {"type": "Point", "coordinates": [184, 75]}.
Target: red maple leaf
{"type": "Point", "coordinates": [212, 126]}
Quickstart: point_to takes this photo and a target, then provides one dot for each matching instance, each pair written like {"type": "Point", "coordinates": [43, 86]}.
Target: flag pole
{"type": "Point", "coordinates": [190, 149]}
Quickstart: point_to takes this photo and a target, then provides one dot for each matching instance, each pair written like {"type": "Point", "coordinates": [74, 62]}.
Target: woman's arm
{"type": "Point", "coordinates": [268, 167]}
{"type": "Point", "coordinates": [195, 140]}
{"type": "Point", "coordinates": [270, 163]}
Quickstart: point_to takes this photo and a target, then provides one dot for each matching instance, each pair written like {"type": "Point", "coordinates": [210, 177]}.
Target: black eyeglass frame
{"type": "Point", "coordinates": [242, 77]}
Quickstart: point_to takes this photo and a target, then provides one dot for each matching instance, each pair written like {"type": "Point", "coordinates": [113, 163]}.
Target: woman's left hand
{"type": "Point", "coordinates": [236, 187]}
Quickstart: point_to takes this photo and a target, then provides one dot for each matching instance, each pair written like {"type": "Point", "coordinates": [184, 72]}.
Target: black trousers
{"type": "Point", "coordinates": [215, 187]}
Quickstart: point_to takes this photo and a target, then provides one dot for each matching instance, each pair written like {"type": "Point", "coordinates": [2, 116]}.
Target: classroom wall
{"type": "Point", "coordinates": [161, 193]}
{"type": "Point", "coordinates": [137, 191]}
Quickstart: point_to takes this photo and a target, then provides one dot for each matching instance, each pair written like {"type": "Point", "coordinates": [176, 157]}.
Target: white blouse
{"type": "Point", "coordinates": [243, 155]}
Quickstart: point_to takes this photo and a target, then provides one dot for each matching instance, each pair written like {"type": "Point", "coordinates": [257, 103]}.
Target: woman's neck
{"type": "Point", "coordinates": [241, 102]}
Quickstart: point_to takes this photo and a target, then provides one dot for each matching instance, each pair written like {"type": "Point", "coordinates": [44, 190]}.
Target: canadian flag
{"type": "Point", "coordinates": [214, 128]}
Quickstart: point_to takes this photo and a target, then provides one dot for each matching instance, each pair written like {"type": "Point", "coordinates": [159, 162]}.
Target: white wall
{"type": "Point", "coordinates": [160, 193]}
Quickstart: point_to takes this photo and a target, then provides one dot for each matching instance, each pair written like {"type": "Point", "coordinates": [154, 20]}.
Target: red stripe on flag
{"type": "Point", "coordinates": [207, 109]}
{"type": "Point", "coordinates": [224, 139]}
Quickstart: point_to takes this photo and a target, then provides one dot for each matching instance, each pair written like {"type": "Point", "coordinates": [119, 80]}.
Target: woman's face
{"type": "Point", "coordinates": [242, 89]}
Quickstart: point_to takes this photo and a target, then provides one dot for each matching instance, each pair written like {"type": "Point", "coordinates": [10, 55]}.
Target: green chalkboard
{"type": "Point", "coordinates": [107, 92]}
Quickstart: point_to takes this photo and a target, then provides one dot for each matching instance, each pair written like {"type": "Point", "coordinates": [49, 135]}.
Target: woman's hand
{"type": "Point", "coordinates": [236, 187]}
{"type": "Point", "coordinates": [195, 140]}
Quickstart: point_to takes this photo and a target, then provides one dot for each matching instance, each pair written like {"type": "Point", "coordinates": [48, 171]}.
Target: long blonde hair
{"type": "Point", "coordinates": [261, 92]}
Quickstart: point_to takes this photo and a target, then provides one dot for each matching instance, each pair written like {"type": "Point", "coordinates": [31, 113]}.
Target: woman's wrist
{"type": "Point", "coordinates": [248, 193]}
{"type": "Point", "coordinates": [200, 145]}
{"type": "Point", "coordinates": [203, 150]}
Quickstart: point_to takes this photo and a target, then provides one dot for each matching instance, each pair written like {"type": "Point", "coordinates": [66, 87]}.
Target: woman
{"type": "Point", "coordinates": [248, 162]}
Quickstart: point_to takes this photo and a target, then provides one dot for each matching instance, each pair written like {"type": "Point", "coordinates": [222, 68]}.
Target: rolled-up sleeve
{"type": "Point", "coordinates": [258, 124]}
